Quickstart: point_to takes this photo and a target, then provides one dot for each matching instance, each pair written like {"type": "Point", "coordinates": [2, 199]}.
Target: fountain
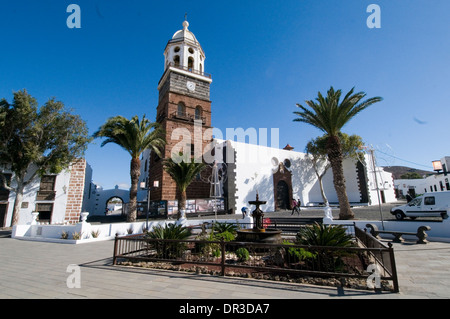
{"type": "Point", "coordinates": [259, 233]}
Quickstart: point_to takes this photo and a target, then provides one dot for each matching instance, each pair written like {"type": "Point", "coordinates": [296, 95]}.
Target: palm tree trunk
{"type": "Point", "coordinates": [135, 174]}
{"type": "Point", "coordinates": [181, 203]}
{"type": "Point", "coordinates": [335, 157]}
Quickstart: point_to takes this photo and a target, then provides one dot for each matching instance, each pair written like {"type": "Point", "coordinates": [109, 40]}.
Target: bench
{"type": "Point", "coordinates": [420, 234]}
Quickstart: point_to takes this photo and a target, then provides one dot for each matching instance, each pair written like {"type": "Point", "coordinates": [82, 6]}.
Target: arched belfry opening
{"type": "Point", "coordinates": [176, 60]}
{"type": "Point", "coordinates": [190, 63]}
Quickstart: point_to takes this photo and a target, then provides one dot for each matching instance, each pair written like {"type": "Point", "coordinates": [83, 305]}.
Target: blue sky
{"type": "Point", "coordinates": [264, 57]}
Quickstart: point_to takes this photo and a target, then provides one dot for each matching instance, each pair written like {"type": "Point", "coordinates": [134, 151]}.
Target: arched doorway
{"type": "Point", "coordinates": [114, 206]}
{"type": "Point", "coordinates": [282, 195]}
{"type": "Point", "coordinates": [282, 187]}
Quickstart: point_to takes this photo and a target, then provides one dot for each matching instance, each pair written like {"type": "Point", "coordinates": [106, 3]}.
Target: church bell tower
{"type": "Point", "coordinates": [184, 102]}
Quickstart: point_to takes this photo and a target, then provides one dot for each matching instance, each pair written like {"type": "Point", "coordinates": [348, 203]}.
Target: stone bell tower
{"type": "Point", "coordinates": [184, 103]}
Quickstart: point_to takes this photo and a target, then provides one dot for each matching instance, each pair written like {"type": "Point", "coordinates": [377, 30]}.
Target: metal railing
{"type": "Point", "coordinates": [187, 117]}
{"type": "Point", "coordinates": [45, 195]}
{"type": "Point", "coordinates": [381, 254]}
{"type": "Point", "coordinates": [191, 70]}
{"type": "Point", "coordinates": [287, 259]}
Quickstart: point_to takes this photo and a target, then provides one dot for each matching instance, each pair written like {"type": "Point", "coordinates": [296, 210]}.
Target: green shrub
{"type": "Point", "coordinates": [324, 235]}
{"type": "Point", "coordinates": [77, 235]}
{"type": "Point", "coordinates": [242, 254]}
{"type": "Point", "coordinates": [224, 227]}
{"type": "Point", "coordinates": [95, 233]}
{"type": "Point", "coordinates": [171, 231]}
{"type": "Point", "coordinates": [226, 236]}
{"type": "Point", "coordinates": [296, 254]}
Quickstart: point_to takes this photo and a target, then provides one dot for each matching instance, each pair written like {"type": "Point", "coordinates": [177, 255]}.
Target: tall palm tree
{"type": "Point", "coordinates": [317, 149]}
{"type": "Point", "coordinates": [183, 173]}
{"type": "Point", "coordinates": [134, 136]}
{"type": "Point", "coordinates": [329, 114]}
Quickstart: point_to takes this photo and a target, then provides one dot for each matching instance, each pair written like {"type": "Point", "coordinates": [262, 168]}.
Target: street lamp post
{"type": "Point", "coordinates": [148, 188]}
{"type": "Point", "coordinates": [216, 189]}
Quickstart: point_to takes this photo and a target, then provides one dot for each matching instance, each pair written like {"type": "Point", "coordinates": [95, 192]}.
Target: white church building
{"type": "Point", "coordinates": [280, 175]}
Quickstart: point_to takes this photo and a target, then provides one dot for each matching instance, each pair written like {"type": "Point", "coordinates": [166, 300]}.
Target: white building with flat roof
{"type": "Point", "coordinates": [435, 183]}
{"type": "Point", "coordinates": [279, 175]}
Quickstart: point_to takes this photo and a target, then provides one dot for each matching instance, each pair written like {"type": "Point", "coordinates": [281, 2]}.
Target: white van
{"type": "Point", "coordinates": [427, 205]}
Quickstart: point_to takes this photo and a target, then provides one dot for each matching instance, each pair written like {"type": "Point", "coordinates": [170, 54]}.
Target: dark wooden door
{"type": "Point", "coordinates": [282, 195]}
{"type": "Point", "coordinates": [3, 210]}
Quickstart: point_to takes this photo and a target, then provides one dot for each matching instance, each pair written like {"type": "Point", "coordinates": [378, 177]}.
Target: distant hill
{"type": "Point", "coordinates": [398, 171]}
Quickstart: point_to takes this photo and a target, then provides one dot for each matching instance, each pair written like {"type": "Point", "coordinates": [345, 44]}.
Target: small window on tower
{"type": "Point", "coordinates": [177, 49]}
{"type": "Point", "coordinates": [181, 110]}
{"type": "Point", "coordinates": [191, 51]}
{"type": "Point", "coordinates": [198, 112]}
{"type": "Point", "coordinates": [190, 63]}
{"type": "Point", "coordinates": [176, 60]}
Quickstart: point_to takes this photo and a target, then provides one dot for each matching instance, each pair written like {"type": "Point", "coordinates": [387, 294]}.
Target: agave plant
{"type": "Point", "coordinates": [171, 231]}
{"type": "Point", "coordinates": [223, 227]}
{"type": "Point", "coordinates": [321, 236]}
{"type": "Point", "coordinates": [324, 235]}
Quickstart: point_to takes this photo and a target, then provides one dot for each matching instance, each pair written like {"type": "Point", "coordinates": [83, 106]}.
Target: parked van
{"type": "Point", "coordinates": [427, 205]}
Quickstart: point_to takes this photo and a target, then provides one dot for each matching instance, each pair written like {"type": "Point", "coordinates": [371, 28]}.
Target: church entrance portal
{"type": "Point", "coordinates": [282, 196]}
{"type": "Point", "coordinates": [282, 187]}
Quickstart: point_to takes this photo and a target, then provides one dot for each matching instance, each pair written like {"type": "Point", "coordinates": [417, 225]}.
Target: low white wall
{"type": "Point", "coordinates": [52, 233]}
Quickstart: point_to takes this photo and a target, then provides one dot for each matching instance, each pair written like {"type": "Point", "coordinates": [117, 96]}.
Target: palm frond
{"type": "Point", "coordinates": [329, 113]}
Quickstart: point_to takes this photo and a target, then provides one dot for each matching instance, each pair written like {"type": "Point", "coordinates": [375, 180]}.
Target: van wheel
{"type": "Point", "coordinates": [399, 215]}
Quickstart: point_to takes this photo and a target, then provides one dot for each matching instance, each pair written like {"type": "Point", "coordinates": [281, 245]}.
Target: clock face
{"type": "Point", "coordinates": [190, 86]}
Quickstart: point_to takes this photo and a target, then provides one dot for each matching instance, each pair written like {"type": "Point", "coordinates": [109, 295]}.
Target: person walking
{"type": "Point", "coordinates": [299, 204]}
{"type": "Point", "coordinates": [295, 207]}
{"type": "Point", "coordinates": [244, 211]}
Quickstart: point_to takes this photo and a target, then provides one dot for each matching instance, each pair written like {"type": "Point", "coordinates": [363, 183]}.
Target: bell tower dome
{"type": "Point", "coordinates": [184, 51]}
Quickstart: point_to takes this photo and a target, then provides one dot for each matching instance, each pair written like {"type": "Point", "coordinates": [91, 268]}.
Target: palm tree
{"type": "Point", "coordinates": [329, 114]}
{"type": "Point", "coordinates": [183, 173]}
{"type": "Point", "coordinates": [134, 136]}
{"type": "Point", "coordinates": [317, 149]}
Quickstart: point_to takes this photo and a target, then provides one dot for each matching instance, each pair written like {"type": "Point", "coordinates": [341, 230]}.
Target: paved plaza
{"type": "Point", "coordinates": [41, 270]}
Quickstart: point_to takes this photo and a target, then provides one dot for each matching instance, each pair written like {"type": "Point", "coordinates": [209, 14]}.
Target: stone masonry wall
{"type": "Point", "coordinates": [75, 191]}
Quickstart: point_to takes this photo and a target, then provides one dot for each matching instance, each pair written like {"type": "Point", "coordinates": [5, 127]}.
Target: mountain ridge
{"type": "Point", "coordinates": [398, 171]}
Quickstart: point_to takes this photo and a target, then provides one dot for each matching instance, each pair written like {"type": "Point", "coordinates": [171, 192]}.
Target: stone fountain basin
{"type": "Point", "coordinates": [269, 236]}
